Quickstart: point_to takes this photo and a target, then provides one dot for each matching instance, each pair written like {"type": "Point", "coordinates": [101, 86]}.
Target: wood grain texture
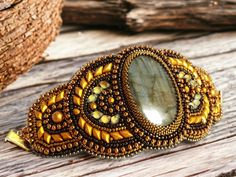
{"type": "Point", "coordinates": [216, 52]}
{"type": "Point", "coordinates": [26, 29]}
{"type": "Point", "coordinates": [139, 15]}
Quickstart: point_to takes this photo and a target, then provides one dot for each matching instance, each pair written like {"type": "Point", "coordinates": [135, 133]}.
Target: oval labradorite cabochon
{"type": "Point", "coordinates": [153, 90]}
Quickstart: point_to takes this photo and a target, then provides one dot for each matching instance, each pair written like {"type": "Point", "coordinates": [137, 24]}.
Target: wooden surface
{"type": "Point", "coordinates": [140, 15]}
{"type": "Point", "coordinates": [216, 154]}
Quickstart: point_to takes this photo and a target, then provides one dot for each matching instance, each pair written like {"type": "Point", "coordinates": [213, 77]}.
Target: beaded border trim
{"type": "Point", "coordinates": [96, 112]}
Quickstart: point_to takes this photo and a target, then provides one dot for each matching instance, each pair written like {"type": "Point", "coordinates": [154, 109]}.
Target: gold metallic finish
{"type": "Point", "coordinates": [125, 133]}
{"type": "Point", "coordinates": [16, 139]}
{"type": "Point", "coordinates": [97, 90]}
{"type": "Point", "coordinates": [97, 112]}
{"type": "Point", "coordinates": [60, 96]}
{"type": "Point", "coordinates": [81, 123]}
{"type": "Point", "coordinates": [40, 132]}
{"type": "Point", "coordinates": [116, 135]}
{"type": "Point", "coordinates": [66, 136]}
{"type": "Point", "coordinates": [106, 136]}
{"type": "Point", "coordinates": [57, 138]}
{"type": "Point", "coordinates": [76, 100]}
{"type": "Point", "coordinates": [78, 91]}
{"type": "Point", "coordinates": [111, 100]}
{"type": "Point", "coordinates": [83, 83]}
{"type": "Point", "coordinates": [98, 71]}
{"type": "Point", "coordinates": [57, 116]}
{"type": "Point", "coordinates": [93, 106]}
{"type": "Point", "coordinates": [105, 119]}
{"type": "Point", "coordinates": [38, 115]}
{"type": "Point", "coordinates": [47, 137]}
{"type": "Point", "coordinates": [76, 111]}
{"type": "Point", "coordinates": [89, 76]}
{"type": "Point", "coordinates": [88, 129]}
{"type": "Point", "coordinates": [104, 84]}
{"type": "Point", "coordinates": [52, 100]}
{"type": "Point", "coordinates": [115, 119]}
{"type": "Point", "coordinates": [107, 68]}
{"type": "Point", "coordinates": [92, 98]}
{"type": "Point", "coordinates": [97, 133]}
{"type": "Point", "coordinates": [43, 107]}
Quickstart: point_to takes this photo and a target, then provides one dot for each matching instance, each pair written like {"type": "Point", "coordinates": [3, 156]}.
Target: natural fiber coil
{"type": "Point", "coordinates": [26, 29]}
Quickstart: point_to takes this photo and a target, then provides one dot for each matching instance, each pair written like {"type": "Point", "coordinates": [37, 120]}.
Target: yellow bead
{"type": "Point", "coordinates": [187, 77]}
{"type": "Point", "coordinates": [107, 68]}
{"type": "Point", "coordinates": [76, 111]}
{"type": "Point", "coordinates": [76, 100]}
{"type": "Point", "coordinates": [57, 138]}
{"type": "Point", "coordinates": [60, 96]}
{"type": "Point", "coordinates": [213, 92]}
{"type": "Point", "coordinates": [126, 133]}
{"type": "Point", "coordinates": [190, 68]}
{"type": "Point", "coordinates": [97, 90]}
{"type": "Point", "coordinates": [204, 120]}
{"type": "Point", "coordinates": [104, 84]}
{"type": "Point", "coordinates": [38, 115]}
{"type": "Point", "coordinates": [116, 135]}
{"type": "Point", "coordinates": [97, 133]}
{"type": "Point", "coordinates": [57, 117]}
{"type": "Point", "coordinates": [47, 137]}
{"type": "Point", "coordinates": [52, 100]}
{"type": "Point", "coordinates": [43, 106]}
{"type": "Point", "coordinates": [98, 71]}
{"type": "Point", "coordinates": [83, 83]}
{"type": "Point", "coordinates": [181, 75]}
{"type": "Point", "coordinates": [199, 81]}
{"type": "Point", "coordinates": [78, 91]}
{"type": "Point", "coordinates": [191, 120]}
{"type": "Point", "coordinates": [66, 136]}
{"type": "Point", "coordinates": [111, 100]}
{"type": "Point", "coordinates": [105, 119]}
{"type": "Point", "coordinates": [93, 106]}
{"type": "Point", "coordinates": [39, 123]}
{"type": "Point", "coordinates": [81, 122]}
{"type": "Point", "coordinates": [187, 89]}
{"type": "Point", "coordinates": [115, 119]}
{"type": "Point", "coordinates": [89, 76]}
{"type": "Point", "coordinates": [106, 136]}
{"type": "Point", "coordinates": [92, 98]}
{"type": "Point", "coordinates": [88, 129]}
{"type": "Point", "coordinates": [204, 90]}
{"type": "Point", "coordinates": [185, 64]}
{"type": "Point", "coordinates": [173, 61]}
{"type": "Point", "coordinates": [40, 132]}
{"type": "Point", "coordinates": [97, 114]}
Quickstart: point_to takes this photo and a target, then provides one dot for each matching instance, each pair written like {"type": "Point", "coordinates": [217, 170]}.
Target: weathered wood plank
{"type": "Point", "coordinates": [209, 157]}
{"type": "Point", "coordinates": [139, 15]}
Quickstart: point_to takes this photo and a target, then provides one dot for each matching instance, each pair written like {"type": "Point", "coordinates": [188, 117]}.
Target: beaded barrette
{"type": "Point", "coordinates": [120, 104]}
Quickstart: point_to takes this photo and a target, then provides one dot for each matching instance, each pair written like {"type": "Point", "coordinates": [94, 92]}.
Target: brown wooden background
{"type": "Point", "coordinates": [216, 154]}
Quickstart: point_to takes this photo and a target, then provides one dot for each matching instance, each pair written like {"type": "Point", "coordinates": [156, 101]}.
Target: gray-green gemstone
{"type": "Point", "coordinates": [153, 90]}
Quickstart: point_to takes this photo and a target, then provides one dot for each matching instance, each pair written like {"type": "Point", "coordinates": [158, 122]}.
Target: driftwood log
{"type": "Point", "coordinates": [139, 15]}
{"type": "Point", "coordinates": [26, 29]}
{"type": "Point", "coordinates": [210, 157]}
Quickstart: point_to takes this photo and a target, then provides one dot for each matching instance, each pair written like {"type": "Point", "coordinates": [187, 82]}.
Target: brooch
{"type": "Point", "coordinates": [118, 105]}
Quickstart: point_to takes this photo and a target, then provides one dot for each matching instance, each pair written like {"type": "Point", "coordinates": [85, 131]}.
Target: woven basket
{"type": "Point", "coordinates": [26, 29]}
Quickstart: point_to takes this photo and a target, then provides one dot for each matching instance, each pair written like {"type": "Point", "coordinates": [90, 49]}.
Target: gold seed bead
{"type": "Point", "coordinates": [93, 106]}
{"type": "Point", "coordinates": [57, 117]}
{"type": "Point", "coordinates": [76, 111]}
{"type": "Point", "coordinates": [111, 100]}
